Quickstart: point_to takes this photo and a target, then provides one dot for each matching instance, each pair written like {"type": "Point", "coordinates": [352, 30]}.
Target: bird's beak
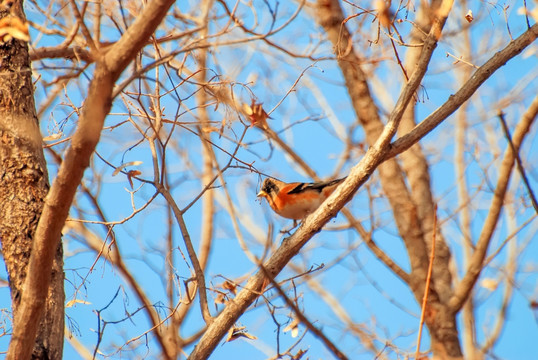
{"type": "Point", "coordinates": [262, 193]}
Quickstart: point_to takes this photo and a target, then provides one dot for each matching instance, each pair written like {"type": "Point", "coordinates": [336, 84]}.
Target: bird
{"type": "Point", "coordinates": [298, 199]}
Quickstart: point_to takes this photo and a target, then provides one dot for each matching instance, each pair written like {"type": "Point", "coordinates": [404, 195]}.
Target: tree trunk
{"type": "Point", "coordinates": [23, 187]}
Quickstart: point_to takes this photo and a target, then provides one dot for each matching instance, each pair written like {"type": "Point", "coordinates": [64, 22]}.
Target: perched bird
{"type": "Point", "coordinates": [296, 200]}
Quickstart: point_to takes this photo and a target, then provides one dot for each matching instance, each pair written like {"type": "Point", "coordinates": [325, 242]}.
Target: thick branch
{"type": "Point", "coordinates": [70, 53]}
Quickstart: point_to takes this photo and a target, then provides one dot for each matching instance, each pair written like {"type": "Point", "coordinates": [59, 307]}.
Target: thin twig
{"type": "Point", "coordinates": [428, 280]}
{"type": "Point", "coordinates": [459, 59]}
{"type": "Point", "coordinates": [318, 333]}
{"type": "Point", "coordinates": [520, 167]}
{"type": "Point", "coordinates": [198, 271]}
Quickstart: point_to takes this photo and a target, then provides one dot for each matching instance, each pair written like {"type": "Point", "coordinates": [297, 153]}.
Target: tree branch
{"type": "Point", "coordinates": [198, 271]}
{"type": "Point", "coordinates": [465, 92]}
{"type": "Point", "coordinates": [463, 289]}
{"type": "Point", "coordinates": [317, 332]}
{"type": "Point", "coordinates": [394, 185]}
{"type": "Point", "coordinates": [416, 168]}
{"type": "Point", "coordinates": [519, 163]}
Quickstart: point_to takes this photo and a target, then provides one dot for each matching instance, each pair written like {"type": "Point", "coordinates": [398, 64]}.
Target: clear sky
{"type": "Point", "coordinates": [315, 119]}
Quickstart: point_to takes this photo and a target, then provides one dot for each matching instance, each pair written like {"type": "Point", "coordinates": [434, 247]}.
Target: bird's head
{"type": "Point", "coordinates": [269, 189]}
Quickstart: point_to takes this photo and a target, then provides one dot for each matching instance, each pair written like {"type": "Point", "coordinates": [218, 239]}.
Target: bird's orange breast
{"type": "Point", "coordinates": [296, 206]}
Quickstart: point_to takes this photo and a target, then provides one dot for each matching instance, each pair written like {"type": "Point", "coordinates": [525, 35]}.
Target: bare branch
{"type": "Point", "coordinates": [427, 286]}
{"type": "Point", "coordinates": [475, 266]}
{"type": "Point", "coordinates": [519, 163]}
{"type": "Point", "coordinates": [318, 333]}
{"type": "Point", "coordinates": [198, 271]}
{"type": "Point", "coordinates": [466, 91]}
{"type": "Point", "coordinates": [510, 271]}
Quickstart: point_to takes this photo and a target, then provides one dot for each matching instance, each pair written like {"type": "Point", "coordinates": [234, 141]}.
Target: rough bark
{"type": "Point", "coordinates": [23, 187]}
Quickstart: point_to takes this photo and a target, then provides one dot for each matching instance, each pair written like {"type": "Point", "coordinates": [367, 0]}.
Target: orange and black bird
{"type": "Point", "coordinates": [296, 200]}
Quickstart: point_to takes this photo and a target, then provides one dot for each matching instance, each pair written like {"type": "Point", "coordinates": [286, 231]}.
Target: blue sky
{"type": "Point", "coordinates": [373, 298]}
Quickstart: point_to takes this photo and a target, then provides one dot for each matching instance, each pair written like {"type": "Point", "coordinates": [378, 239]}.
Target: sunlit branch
{"type": "Point", "coordinates": [318, 333]}
{"type": "Point", "coordinates": [464, 93]}
{"type": "Point", "coordinates": [198, 271]}
{"type": "Point", "coordinates": [511, 267]}
{"type": "Point", "coordinates": [85, 31]}
{"type": "Point", "coordinates": [490, 223]}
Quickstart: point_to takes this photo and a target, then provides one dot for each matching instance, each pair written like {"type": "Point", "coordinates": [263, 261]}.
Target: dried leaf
{"type": "Point", "coordinates": [469, 16]}
{"type": "Point", "coordinates": [228, 285]}
{"type": "Point", "coordinates": [237, 332]}
{"type": "Point", "coordinates": [71, 303]}
{"type": "Point", "coordinates": [490, 284]}
{"type": "Point", "coordinates": [256, 114]}
{"type": "Point", "coordinates": [221, 299]}
{"type": "Point", "coordinates": [123, 166]}
{"type": "Point", "coordinates": [209, 129]}
{"type": "Point", "coordinates": [134, 172]}
{"type": "Point", "coordinates": [131, 174]}
{"type": "Point", "coordinates": [53, 137]}
{"type": "Point", "coordinates": [294, 327]}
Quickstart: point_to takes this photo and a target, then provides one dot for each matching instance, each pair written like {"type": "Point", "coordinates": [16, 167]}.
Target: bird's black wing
{"type": "Point", "coordinates": [317, 186]}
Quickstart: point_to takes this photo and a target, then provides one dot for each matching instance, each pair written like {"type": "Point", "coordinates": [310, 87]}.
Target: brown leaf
{"type": "Point", "coordinates": [131, 174]}
{"type": "Point", "coordinates": [228, 285]}
{"type": "Point", "coordinates": [53, 137]}
{"type": "Point", "coordinates": [256, 114]}
{"type": "Point", "coordinates": [134, 172]}
{"type": "Point", "coordinates": [237, 332]}
{"type": "Point", "coordinates": [469, 16]}
{"type": "Point", "coordinates": [209, 129]}
{"type": "Point", "coordinates": [73, 302]}
{"type": "Point", "coordinates": [294, 327]}
{"type": "Point", "coordinates": [221, 299]}
{"type": "Point", "coordinates": [123, 166]}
